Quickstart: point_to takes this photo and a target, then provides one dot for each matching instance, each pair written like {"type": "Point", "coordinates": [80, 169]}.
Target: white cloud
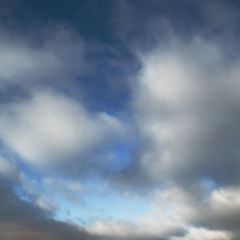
{"type": "Point", "coordinates": [202, 233]}
{"type": "Point", "coordinates": [149, 228]}
{"type": "Point", "coordinates": [53, 129]}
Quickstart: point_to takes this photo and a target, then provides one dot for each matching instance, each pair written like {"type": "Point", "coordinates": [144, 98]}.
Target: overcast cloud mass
{"type": "Point", "coordinates": [119, 120]}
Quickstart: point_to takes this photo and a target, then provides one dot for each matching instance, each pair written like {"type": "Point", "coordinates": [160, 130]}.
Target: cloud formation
{"type": "Point", "coordinates": [173, 143]}
{"type": "Point", "coordinates": [52, 129]}
{"type": "Point", "coordinates": [21, 220]}
{"type": "Point", "coordinates": [37, 58]}
{"type": "Point", "coordinates": [185, 104]}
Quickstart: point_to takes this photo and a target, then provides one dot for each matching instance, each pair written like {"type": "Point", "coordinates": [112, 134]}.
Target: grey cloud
{"type": "Point", "coordinates": [207, 214]}
{"type": "Point", "coordinates": [21, 220]}
{"type": "Point", "coordinates": [52, 128]}
{"type": "Point", "coordinates": [31, 67]}
{"type": "Point", "coordinates": [220, 211]}
{"type": "Point", "coordinates": [40, 58]}
{"type": "Point", "coordinates": [186, 108]}
{"type": "Point", "coordinates": [8, 169]}
{"type": "Point", "coordinates": [142, 25]}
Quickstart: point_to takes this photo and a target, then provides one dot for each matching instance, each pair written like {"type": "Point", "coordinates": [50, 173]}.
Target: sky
{"type": "Point", "coordinates": [119, 120]}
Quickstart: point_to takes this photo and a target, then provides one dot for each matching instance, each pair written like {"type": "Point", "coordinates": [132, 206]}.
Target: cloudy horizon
{"type": "Point", "coordinates": [119, 120]}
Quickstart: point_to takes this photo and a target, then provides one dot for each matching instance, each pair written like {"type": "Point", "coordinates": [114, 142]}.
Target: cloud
{"type": "Point", "coordinates": [28, 189]}
{"type": "Point", "coordinates": [204, 212]}
{"type": "Point", "coordinates": [202, 233]}
{"type": "Point", "coordinates": [8, 169]}
{"type": "Point", "coordinates": [35, 59]}
{"type": "Point", "coordinates": [185, 105]}
{"type": "Point", "coordinates": [21, 220]}
{"type": "Point", "coordinates": [185, 117]}
{"type": "Point", "coordinates": [51, 129]}
{"type": "Point", "coordinates": [165, 219]}
{"type": "Point", "coordinates": [71, 186]}
{"type": "Point", "coordinates": [220, 211]}
{"type": "Point", "coordinates": [47, 193]}
{"type": "Point", "coordinates": [145, 228]}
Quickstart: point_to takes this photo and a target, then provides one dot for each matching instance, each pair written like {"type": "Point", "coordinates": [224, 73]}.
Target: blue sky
{"type": "Point", "coordinates": [119, 119]}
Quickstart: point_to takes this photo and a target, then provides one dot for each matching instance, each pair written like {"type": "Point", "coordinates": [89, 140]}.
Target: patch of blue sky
{"type": "Point", "coordinates": [20, 193]}
{"type": "Point", "coordinates": [120, 156]}
{"type": "Point", "coordinates": [123, 153]}
{"type": "Point", "coordinates": [29, 187]}
{"type": "Point", "coordinates": [208, 183]}
{"type": "Point", "coordinates": [97, 201]}
{"type": "Point", "coordinates": [102, 203]}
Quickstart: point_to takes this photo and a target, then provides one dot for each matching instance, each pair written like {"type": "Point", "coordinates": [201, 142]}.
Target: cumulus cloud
{"type": "Point", "coordinates": [220, 211]}
{"type": "Point", "coordinates": [51, 129]}
{"type": "Point", "coordinates": [178, 213]}
{"type": "Point", "coordinates": [185, 104]}
{"type": "Point", "coordinates": [185, 107]}
{"type": "Point", "coordinates": [185, 117]}
{"type": "Point", "coordinates": [30, 60]}
{"type": "Point", "coordinates": [204, 212]}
